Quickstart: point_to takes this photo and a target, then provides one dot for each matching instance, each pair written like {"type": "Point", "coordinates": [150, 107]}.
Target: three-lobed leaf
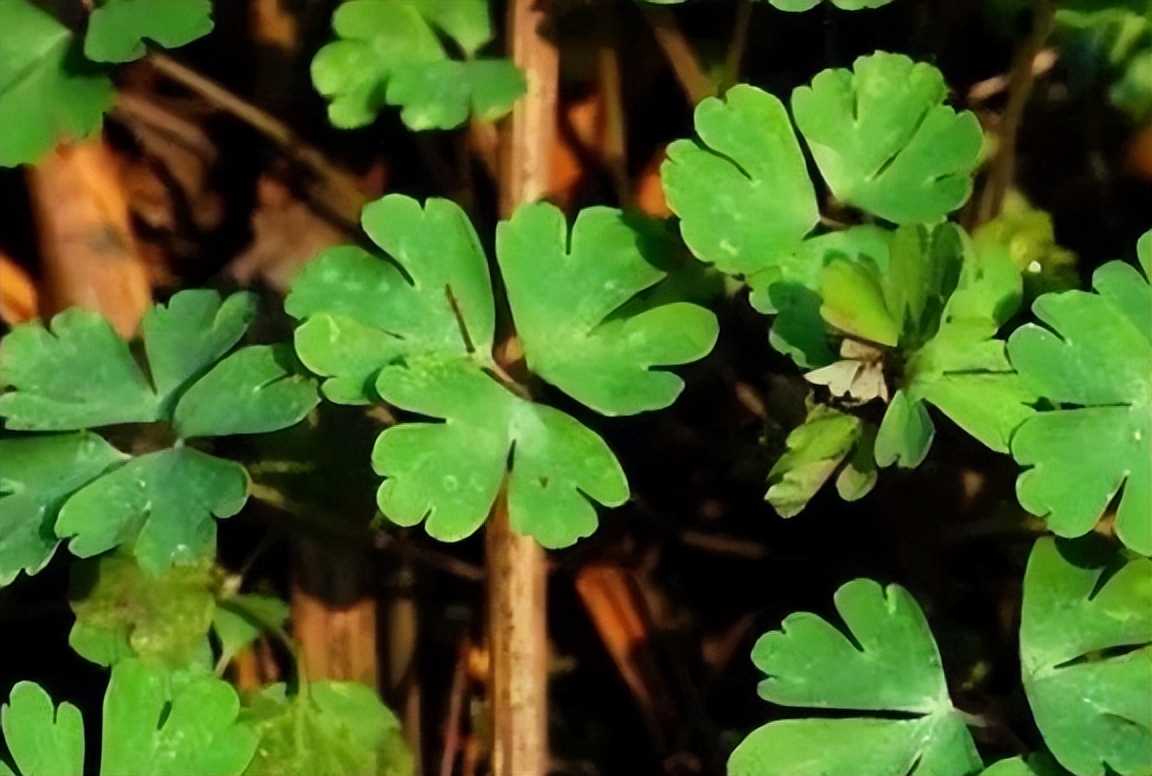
{"type": "Point", "coordinates": [118, 29]}
{"type": "Point", "coordinates": [890, 664]}
{"type": "Point", "coordinates": [417, 332]}
{"type": "Point", "coordinates": [449, 474]}
{"type": "Point", "coordinates": [1093, 359]}
{"type": "Point", "coordinates": [1086, 656]}
{"type": "Point", "coordinates": [388, 52]}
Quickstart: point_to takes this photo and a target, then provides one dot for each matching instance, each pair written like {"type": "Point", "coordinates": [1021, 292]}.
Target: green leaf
{"type": "Point", "coordinates": [156, 724]}
{"type": "Point", "coordinates": [117, 29]}
{"type": "Point", "coordinates": [338, 729]}
{"type": "Point", "coordinates": [853, 300]}
{"type": "Point", "coordinates": [376, 38]}
{"type": "Point", "coordinates": [1086, 657]}
{"type": "Point", "coordinates": [905, 434]}
{"type": "Point", "coordinates": [1095, 361]}
{"type": "Point", "coordinates": [889, 664]}
{"type": "Point", "coordinates": [796, 6]}
{"type": "Point", "coordinates": [44, 740]}
{"type": "Point", "coordinates": [442, 95]}
{"type": "Point", "coordinates": [885, 142]}
{"type": "Point", "coordinates": [122, 612]}
{"type": "Point", "coordinates": [78, 375]}
{"type": "Point", "coordinates": [567, 293]}
{"type": "Point", "coordinates": [1036, 764]}
{"type": "Point", "coordinates": [1027, 236]}
{"type": "Point", "coordinates": [389, 54]}
{"type": "Point", "coordinates": [162, 503]}
{"type": "Point", "coordinates": [38, 474]}
{"type": "Point", "coordinates": [449, 473]}
{"type": "Point", "coordinates": [239, 620]}
{"type": "Point", "coordinates": [189, 334]}
{"type": "Point", "coordinates": [742, 190]}
{"type": "Point", "coordinates": [255, 390]}
{"type": "Point", "coordinates": [362, 312]}
{"type": "Point", "coordinates": [817, 449]}
{"type": "Point", "coordinates": [56, 98]}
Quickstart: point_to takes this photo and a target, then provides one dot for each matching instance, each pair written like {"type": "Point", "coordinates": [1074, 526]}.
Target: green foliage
{"type": "Point", "coordinates": [78, 374]}
{"type": "Point", "coordinates": [795, 6]}
{"type": "Point", "coordinates": [336, 728]}
{"type": "Point", "coordinates": [889, 664]}
{"type": "Point", "coordinates": [38, 474]}
{"type": "Point", "coordinates": [45, 81]}
{"type": "Point", "coordinates": [1086, 656]}
{"type": "Point", "coordinates": [56, 100]}
{"type": "Point", "coordinates": [1038, 764]}
{"type": "Point", "coordinates": [1027, 236]}
{"type": "Point", "coordinates": [1094, 363]}
{"type": "Point", "coordinates": [389, 52]}
{"type": "Point", "coordinates": [44, 740]}
{"type": "Point", "coordinates": [155, 724]}
{"type": "Point", "coordinates": [118, 28]}
{"type": "Point", "coordinates": [121, 612]}
{"type": "Point", "coordinates": [885, 142]}
{"type": "Point", "coordinates": [419, 335]}
{"type": "Point", "coordinates": [240, 619]}
{"type": "Point", "coordinates": [829, 442]}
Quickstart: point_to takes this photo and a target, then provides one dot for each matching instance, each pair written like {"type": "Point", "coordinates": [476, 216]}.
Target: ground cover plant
{"type": "Point", "coordinates": [398, 386]}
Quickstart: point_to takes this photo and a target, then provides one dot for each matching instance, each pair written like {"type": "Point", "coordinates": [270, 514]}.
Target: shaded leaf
{"type": "Point", "coordinates": [240, 620]}
{"type": "Point", "coordinates": [57, 98]}
{"type": "Point", "coordinates": [38, 474]}
{"type": "Point", "coordinates": [255, 390]}
{"type": "Point", "coordinates": [117, 29]}
{"type": "Point", "coordinates": [51, 375]}
{"type": "Point", "coordinates": [161, 503]}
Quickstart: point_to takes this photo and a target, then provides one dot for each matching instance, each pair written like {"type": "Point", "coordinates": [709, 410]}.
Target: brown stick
{"type": "Point", "coordinates": [1020, 82]}
{"type": "Point", "coordinates": [678, 51]}
{"type": "Point", "coordinates": [517, 574]}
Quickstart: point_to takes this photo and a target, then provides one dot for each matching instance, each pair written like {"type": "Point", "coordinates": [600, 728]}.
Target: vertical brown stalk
{"type": "Point", "coordinates": [517, 578]}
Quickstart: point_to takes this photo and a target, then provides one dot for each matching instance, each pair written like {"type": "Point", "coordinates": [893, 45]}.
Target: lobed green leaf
{"type": "Point", "coordinates": [117, 29]}
{"type": "Point", "coordinates": [1086, 656]}
{"type": "Point", "coordinates": [568, 295]}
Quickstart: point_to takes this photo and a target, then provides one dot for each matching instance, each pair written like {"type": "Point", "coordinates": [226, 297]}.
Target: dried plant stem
{"type": "Point", "coordinates": [517, 573]}
{"type": "Point", "coordinates": [336, 191]}
{"type": "Point", "coordinates": [1021, 79]}
{"type": "Point", "coordinates": [678, 51]}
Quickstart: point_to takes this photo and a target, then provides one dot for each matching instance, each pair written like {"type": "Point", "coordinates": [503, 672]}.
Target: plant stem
{"type": "Point", "coordinates": [1020, 82]}
{"type": "Point", "coordinates": [678, 51]}
{"type": "Point", "coordinates": [517, 574]}
{"type": "Point", "coordinates": [335, 193]}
